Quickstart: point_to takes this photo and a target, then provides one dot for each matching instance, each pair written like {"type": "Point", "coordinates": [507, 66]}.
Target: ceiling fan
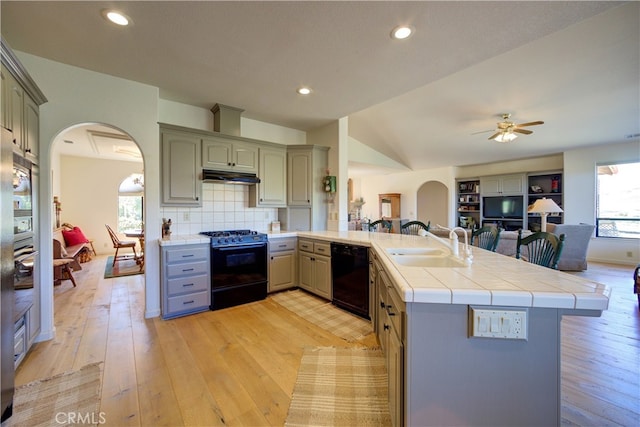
{"type": "Point", "coordinates": [506, 130]}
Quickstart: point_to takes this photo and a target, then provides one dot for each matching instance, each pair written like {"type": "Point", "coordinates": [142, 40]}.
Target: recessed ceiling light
{"type": "Point", "coordinates": [116, 17]}
{"type": "Point", "coordinates": [402, 32]}
{"type": "Point", "coordinates": [304, 91]}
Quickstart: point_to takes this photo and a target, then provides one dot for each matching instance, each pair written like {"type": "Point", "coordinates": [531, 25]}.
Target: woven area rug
{"type": "Point", "coordinates": [122, 268]}
{"type": "Point", "coordinates": [324, 314]}
{"type": "Point", "coordinates": [58, 400]}
{"type": "Point", "coordinates": [340, 387]}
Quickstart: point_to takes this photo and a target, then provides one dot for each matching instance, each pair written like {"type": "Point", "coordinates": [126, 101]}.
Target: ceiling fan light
{"type": "Point", "coordinates": [505, 137]}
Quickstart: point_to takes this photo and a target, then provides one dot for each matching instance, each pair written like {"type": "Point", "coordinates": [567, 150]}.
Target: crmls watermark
{"type": "Point", "coordinates": [79, 418]}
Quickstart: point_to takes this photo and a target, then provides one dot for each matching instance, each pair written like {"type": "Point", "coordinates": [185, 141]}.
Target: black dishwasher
{"type": "Point", "coordinates": [350, 278]}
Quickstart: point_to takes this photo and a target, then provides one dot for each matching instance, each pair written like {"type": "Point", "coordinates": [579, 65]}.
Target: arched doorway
{"type": "Point", "coordinates": [432, 204]}
{"type": "Point", "coordinates": [88, 163]}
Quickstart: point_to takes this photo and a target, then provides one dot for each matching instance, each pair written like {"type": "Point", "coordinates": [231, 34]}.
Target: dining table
{"type": "Point", "coordinates": [139, 234]}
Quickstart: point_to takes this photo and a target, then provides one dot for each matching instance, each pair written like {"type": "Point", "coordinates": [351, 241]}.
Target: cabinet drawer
{"type": "Point", "coordinates": [188, 302]}
{"type": "Point", "coordinates": [187, 268]}
{"type": "Point", "coordinates": [322, 248]}
{"type": "Point", "coordinates": [182, 285]}
{"type": "Point", "coordinates": [305, 245]}
{"type": "Point", "coordinates": [188, 254]}
{"type": "Point", "coordinates": [395, 309]}
{"type": "Point", "coordinates": [282, 245]}
{"type": "Point", "coordinates": [19, 344]}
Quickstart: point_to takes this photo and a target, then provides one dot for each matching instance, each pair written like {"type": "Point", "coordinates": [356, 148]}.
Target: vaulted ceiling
{"type": "Point", "coordinates": [420, 102]}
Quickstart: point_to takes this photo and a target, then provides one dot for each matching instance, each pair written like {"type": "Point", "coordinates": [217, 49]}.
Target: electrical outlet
{"type": "Point", "coordinates": [498, 323]}
{"type": "Point", "coordinates": [629, 254]}
{"type": "Point", "coordinates": [185, 216]}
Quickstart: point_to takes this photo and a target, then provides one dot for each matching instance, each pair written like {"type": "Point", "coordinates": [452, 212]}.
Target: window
{"type": "Point", "coordinates": [618, 200]}
{"type": "Point", "coordinates": [130, 203]}
{"type": "Point", "coordinates": [129, 213]}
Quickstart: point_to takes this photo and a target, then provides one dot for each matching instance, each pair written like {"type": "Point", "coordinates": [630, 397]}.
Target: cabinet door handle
{"type": "Point", "coordinates": [188, 302]}
{"type": "Point", "coordinates": [228, 163]}
{"type": "Point", "coordinates": [184, 270]}
{"type": "Point", "coordinates": [382, 304]}
{"type": "Point", "coordinates": [260, 199]}
{"type": "Point", "coordinates": [187, 256]}
{"type": "Point", "coordinates": [186, 285]}
{"type": "Point", "coordinates": [386, 327]}
{"type": "Point", "coordinates": [28, 150]}
{"type": "Point", "coordinates": [389, 312]}
{"type": "Point", "coordinates": [282, 246]}
{"type": "Point", "coordinates": [233, 164]}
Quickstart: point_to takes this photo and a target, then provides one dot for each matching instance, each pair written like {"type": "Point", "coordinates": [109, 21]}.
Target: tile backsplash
{"type": "Point", "coordinates": [224, 207]}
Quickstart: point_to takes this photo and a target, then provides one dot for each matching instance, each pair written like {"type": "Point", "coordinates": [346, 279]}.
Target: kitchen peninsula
{"type": "Point", "coordinates": [446, 376]}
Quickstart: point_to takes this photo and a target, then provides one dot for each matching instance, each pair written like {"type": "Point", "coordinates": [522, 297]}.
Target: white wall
{"type": "Point", "coordinates": [77, 96]}
{"type": "Point", "coordinates": [580, 197]}
{"type": "Point", "coordinates": [406, 183]}
{"type": "Point", "coordinates": [329, 136]}
{"type": "Point", "coordinates": [89, 195]}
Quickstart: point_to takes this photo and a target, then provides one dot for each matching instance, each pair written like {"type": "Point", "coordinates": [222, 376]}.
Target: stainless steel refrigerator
{"type": "Point", "coordinates": [7, 296]}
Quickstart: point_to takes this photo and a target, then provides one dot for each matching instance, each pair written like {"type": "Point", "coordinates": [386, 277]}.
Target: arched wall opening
{"type": "Point", "coordinates": [432, 203]}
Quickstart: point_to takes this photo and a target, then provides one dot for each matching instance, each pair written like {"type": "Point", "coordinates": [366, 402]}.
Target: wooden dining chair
{"type": "Point", "coordinates": [542, 248]}
{"type": "Point", "coordinates": [486, 237]}
{"type": "Point", "coordinates": [414, 227]}
{"type": "Point", "coordinates": [118, 244]}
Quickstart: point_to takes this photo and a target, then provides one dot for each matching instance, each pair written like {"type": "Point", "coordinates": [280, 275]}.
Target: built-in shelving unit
{"type": "Point", "coordinates": [547, 185]}
{"type": "Point", "coordinates": [468, 203]}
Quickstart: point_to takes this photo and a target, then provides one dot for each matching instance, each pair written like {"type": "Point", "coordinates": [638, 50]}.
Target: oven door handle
{"type": "Point", "coordinates": [236, 247]}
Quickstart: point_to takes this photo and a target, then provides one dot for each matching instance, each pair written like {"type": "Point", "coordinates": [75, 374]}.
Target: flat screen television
{"type": "Point", "coordinates": [503, 207]}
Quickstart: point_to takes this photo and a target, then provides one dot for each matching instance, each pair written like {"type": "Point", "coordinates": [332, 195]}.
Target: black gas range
{"type": "Point", "coordinates": [238, 267]}
{"type": "Point", "coordinates": [234, 237]}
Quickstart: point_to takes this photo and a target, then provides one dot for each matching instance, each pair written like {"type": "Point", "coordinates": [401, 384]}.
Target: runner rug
{"type": "Point", "coordinates": [64, 399]}
{"type": "Point", "coordinates": [340, 387]}
{"type": "Point", "coordinates": [127, 267]}
{"type": "Point", "coordinates": [324, 314]}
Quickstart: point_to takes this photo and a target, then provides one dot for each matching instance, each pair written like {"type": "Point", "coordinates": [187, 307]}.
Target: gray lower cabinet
{"type": "Point", "coordinates": [186, 287]}
{"type": "Point", "coordinates": [315, 267]}
{"type": "Point", "coordinates": [390, 321]}
{"type": "Point", "coordinates": [282, 264]}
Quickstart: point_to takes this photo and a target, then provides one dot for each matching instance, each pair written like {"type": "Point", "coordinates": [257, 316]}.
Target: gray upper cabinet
{"type": "Point", "coordinates": [221, 153]}
{"type": "Point", "coordinates": [306, 199]}
{"type": "Point", "coordinates": [21, 100]}
{"type": "Point", "coordinates": [181, 168]}
{"type": "Point", "coordinates": [503, 185]}
{"type": "Point", "coordinates": [272, 171]}
{"type": "Point", "coordinates": [300, 178]}
{"type": "Point", "coordinates": [31, 129]}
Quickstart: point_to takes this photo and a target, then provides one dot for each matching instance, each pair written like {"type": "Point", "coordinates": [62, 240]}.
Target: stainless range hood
{"type": "Point", "coordinates": [227, 177]}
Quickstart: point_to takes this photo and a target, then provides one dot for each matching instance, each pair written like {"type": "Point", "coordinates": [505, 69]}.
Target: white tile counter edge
{"type": "Point", "coordinates": [492, 279]}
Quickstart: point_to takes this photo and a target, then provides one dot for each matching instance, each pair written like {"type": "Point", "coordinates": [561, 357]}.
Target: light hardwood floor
{"type": "Point", "coordinates": [238, 366]}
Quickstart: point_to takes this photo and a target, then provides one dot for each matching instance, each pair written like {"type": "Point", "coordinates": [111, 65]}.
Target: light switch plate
{"type": "Point", "coordinates": [498, 322]}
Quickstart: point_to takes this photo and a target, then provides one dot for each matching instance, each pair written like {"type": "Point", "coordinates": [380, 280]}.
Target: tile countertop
{"type": "Point", "coordinates": [492, 279]}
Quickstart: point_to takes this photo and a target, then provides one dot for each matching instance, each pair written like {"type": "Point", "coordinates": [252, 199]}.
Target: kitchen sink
{"type": "Point", "coordinates": [428, 261]}
{"type": "Point", "coordinates": [417, 251]}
